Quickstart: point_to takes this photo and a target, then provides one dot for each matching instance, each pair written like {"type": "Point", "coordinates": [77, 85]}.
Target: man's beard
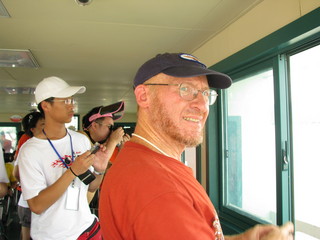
{"type": "Point", "coordinates": [161, 119]}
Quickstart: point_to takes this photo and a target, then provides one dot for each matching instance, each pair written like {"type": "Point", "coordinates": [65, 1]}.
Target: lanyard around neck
{"type": "Point", "coordinates": [61, 159]}
{"type": "Point", "coordinates": [152, 144]}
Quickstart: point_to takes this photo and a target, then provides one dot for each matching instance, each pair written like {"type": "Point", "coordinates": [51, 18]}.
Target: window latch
{"type": "Point", "coordinates": [285, 160]}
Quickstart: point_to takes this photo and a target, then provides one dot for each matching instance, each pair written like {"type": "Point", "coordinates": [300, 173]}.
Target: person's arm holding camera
{"type": "Point", "coordinates": [52, 193]}
{"type": "Point", "coordinates": [100, 165]}
{"type": "Point", "coordinates": [116, 137]}
{"type": "Point", "coordinates": [126, 137]}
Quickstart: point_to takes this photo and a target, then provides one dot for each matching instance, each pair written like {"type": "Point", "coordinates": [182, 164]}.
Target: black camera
{"type": "Point", "coordinates": [127, 128]}
{"type": "Point", "coordinates": [95, 147]}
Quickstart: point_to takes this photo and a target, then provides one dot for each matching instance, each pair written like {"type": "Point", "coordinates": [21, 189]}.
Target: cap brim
{"type": "Point", "coordinates": [215, 79]}
{"type": "Point", "coordinates": [70, 91]}
{"type": "Point", "coordinates": [116, 109]}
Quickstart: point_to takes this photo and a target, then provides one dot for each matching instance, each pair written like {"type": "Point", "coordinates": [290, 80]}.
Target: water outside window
{"type": "Point", "coordinates": [250, 170]}
{"type": "Point", "coordinates": [305, 88]}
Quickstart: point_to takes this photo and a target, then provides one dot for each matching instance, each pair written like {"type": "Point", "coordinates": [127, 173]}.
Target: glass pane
{"type": "Point", "coordinates": [190, 159]}
{"type": "Point", "coordinates": [250, 170]}
{"type": "Point", "coordinates": [305, 86]}
{"type": "Point", "coordinates": [74, 124]}
{"type": "Point", "coordinates": [8, 138]}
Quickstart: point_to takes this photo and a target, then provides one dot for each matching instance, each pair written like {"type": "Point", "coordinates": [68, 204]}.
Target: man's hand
{"type": "Point", "coordinates": [285, 232]}
{"type": "Point", "coordinates": [125, 138]}
{"type": "Point", "coordinates": [266, 232]}
{"type": "Point", "coordinates": [82, 163]}
{"type": "Point", "coordinates": [116, 136]}
{"type": "Point", "coordinates": [100, 161]}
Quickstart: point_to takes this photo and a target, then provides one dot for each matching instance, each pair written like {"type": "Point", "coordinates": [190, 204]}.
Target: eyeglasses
{"type": "Point", "coordinates": [188, 92]}
{"type": "Point", "coordinates": [110, 126]}
{"type": "Point", "coordinates": [67, 101]}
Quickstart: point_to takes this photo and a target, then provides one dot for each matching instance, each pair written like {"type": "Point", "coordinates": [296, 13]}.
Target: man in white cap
{"type": "Point", "coordinates": [57, 170]}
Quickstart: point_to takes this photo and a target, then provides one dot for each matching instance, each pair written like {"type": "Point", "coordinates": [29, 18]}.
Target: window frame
{"type": "Point", "coordinates": [274, 50]}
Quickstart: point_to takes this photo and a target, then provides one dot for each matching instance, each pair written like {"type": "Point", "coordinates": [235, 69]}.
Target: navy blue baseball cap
{"type": "Point", "coordinates": [180, 65]}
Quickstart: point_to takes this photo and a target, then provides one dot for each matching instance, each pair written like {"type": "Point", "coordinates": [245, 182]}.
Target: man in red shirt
{"type": "Point", "coordinates": [148, 193]}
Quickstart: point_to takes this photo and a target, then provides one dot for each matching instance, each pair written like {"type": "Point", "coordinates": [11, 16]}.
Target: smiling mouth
{"type": "Point", "coordinates": [191, 119]}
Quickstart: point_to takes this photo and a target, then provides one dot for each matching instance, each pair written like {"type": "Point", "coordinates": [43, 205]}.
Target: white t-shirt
{"type": "Point", "coordinates": [40, 167]}
{"type": "Point", "coordinates": [3, 172]}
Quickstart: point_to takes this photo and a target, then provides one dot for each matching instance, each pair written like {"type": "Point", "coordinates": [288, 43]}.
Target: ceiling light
{"type": "Point", "coordinates": [83, 2]}
{"type": "Point", "coordinates": [17, 58]}
{"type": "Point", "coordinates": [19, 90]}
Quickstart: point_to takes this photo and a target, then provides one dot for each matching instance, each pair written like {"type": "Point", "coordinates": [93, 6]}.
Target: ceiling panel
{"type": "Point", "coordinates": [102, 45]}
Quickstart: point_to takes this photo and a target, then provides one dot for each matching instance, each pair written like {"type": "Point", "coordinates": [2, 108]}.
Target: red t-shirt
{"type": "Point", "coordinates": [146, 195]}
{"type": "Point", "coordinates": [114, 155]}
{"type": "Point", "coordinates": [21, 141]}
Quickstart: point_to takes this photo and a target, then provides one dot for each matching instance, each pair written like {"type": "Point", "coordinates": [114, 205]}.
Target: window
{"type": "Point", "coordinates": [74, 124]}
{"type": "Point", "coordinates": [250, 166]}
{"type": "Point", "coordinates": [8, 136]}
{"type": "Point", "coordinates": [305, 99]}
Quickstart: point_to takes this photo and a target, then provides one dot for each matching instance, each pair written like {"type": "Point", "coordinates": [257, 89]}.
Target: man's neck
{"type": "Point", "coordinates": [168, 149]}
{"type": "Point", "coordinates": [54, 132]}
{"type": "Point", "coordinates": [91, 136]}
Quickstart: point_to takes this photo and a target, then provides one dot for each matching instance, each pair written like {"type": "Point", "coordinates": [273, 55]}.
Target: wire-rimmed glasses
{"type": "Point", "coordinates": [67, 101]}
{"type": "Point", "coordinates": [188, 92]}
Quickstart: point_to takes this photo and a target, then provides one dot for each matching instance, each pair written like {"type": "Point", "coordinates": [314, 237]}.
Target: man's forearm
{"type": "Point", "coordinates": [94, 185]}
{"type": "Point", "coordinates": [51, 194]}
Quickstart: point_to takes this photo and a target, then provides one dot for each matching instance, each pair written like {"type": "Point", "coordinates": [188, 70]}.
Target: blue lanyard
{"type": "Point", "coordinates": [61, 159]}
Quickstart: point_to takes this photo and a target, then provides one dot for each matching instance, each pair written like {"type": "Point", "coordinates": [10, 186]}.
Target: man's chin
{"type": "Point", "coordinates": [190, 141]}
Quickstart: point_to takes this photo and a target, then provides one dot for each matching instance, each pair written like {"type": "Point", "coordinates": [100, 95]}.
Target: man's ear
{"type": "Point", "coordinates": [45, 106]}
{"type": "Point", "coordinates": [142, 97]}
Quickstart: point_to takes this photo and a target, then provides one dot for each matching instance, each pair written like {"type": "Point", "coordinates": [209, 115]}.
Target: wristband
{"type": "Point", "coordinates": [73, 172]}
{"type": "Point", "coordinates": [99, 173]}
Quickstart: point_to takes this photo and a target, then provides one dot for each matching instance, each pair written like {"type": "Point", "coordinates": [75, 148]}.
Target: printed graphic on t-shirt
{"type": "Point", "coordinates": [66, 159]}
{"type": "Point", "coordinates": [217, 230]}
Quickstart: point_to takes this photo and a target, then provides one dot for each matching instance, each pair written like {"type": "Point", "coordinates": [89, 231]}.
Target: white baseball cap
{"type": "Point", "coordinates": [55, 87]}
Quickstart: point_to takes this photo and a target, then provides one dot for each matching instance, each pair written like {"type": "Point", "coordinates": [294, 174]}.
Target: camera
{"type": "Point", "coordinates": [87, 177]}
{"type": "Point", "coordinates": [83, 2]}
{"type": "Point", "coordinates": [127, 128]}
{"type": "Point", "coordinates": [95, 148]}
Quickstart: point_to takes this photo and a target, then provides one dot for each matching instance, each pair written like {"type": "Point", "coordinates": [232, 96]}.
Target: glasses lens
{"type": "Point", "coordinates": [69, 101]}
{"type": "Point", "coordinates": [186, 91]}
